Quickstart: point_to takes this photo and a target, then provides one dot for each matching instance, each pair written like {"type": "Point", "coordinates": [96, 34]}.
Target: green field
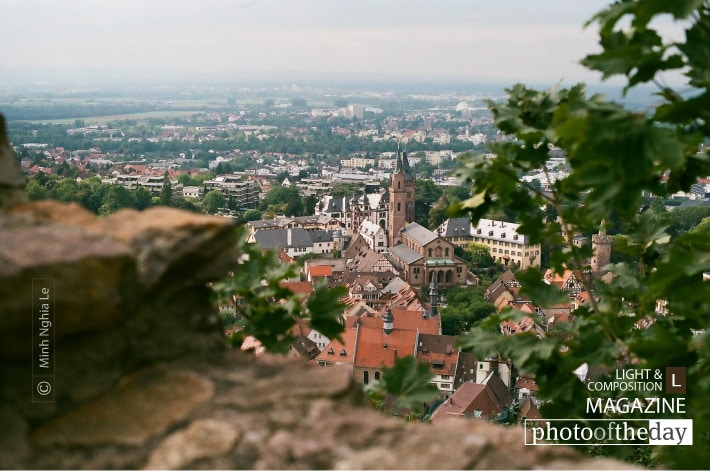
{"type": "Point", "coordinates": [103, 120]}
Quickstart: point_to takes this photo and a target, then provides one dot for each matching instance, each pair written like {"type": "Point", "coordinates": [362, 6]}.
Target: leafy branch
{"type": "Point", "coordinates": [269, 309]}
{"type": "Point", "coordinates": [653, 312]}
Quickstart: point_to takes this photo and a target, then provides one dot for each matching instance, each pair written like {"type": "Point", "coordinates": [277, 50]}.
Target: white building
{"type": "Point", "coordinates": [375, 236]}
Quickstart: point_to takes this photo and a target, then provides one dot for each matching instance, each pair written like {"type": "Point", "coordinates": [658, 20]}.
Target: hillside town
{"type": "Point", "coordinates": [352, 218]}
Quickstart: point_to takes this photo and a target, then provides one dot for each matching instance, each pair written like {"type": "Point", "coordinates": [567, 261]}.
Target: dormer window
{"type": "Point", "coordinates": [343, 353]}
{"type": "Point", "coordinates": [330, 351]}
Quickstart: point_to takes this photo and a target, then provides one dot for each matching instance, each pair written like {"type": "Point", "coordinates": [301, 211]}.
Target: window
{"type": "Point", "coordinates": [399, 206]}
{"type": "Point", "coordinates": [377, 375]}
{"type": "Point", "coordinates": [446, 252]}
{"type": "Point", "coordinates": [366, 377]}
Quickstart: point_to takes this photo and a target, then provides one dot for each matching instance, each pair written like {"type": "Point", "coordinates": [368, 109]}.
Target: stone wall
{"type": "Point", "coordinates": [143, 378]}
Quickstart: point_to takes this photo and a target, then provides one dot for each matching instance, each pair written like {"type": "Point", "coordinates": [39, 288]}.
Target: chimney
{"type": "Point", "coordinates": [493, 362]}
{"type": "Point", "coordinates": [288, 237]}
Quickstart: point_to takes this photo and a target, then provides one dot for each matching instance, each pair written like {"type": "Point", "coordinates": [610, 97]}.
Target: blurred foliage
{"type": "Point", "coordinates": [404, 389]}
{"type": "Point", "coordinates": [617, 158]}
{"type": "Point", "coordinates": [268, 310]}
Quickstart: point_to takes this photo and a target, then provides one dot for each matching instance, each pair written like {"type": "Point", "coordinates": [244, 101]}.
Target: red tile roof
{"type": "Point", "coordinates": [332, 352]}
{"type": "Point", "coordinates": [473, 400]}
{"type": "Point", "coordinates": [298, 287]}
{"type": "Point", "coordinates": [440, 352]}
{"type": "Point", "coordinates": [364, 339]}
{"type": "Point", "coordinates": [376, 349]}
{"type": "Point", "coordinates": [526, 382]}
{"type": "Point", "coordinates": [284, 257]}
{"type": "Point", "coordinates": [320, 270]}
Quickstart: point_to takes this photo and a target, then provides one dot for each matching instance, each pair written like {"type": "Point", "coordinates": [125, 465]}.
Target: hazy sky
{"type": "Point", "coordinates": [414, 40]}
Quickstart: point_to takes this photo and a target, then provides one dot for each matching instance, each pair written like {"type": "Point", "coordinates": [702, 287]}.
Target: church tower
{"type": "Point", "coordinates": [401, 196]}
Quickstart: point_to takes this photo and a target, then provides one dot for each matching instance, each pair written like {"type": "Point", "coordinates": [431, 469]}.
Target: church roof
{"type": "Point", "coordinates": [405, 254]}
{"type": "Point", "coordinates": [419, 234]}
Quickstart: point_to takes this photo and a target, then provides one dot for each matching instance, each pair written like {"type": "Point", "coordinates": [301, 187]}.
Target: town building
{"type": "Point", "coordinates": [371, 342]}
{"type": "Point", "coordinates": [375, 235]}
{"type": "Point", "coordinates": [195, 192]}
{"type": "Point", "coordinates": [244, 194]}
{"type": "Point", "coordinates": [504, 243]}
{"type": "Point", "coordinates": [423, 255]}
{"type": "Point", "coordinates": [295, 242]}
{"type": "Point", "coordinates": [482, 400]}
{"type": "Point", "coordinates": [351, 211]}
{"type": "Point", "coordinates": [441, 354]}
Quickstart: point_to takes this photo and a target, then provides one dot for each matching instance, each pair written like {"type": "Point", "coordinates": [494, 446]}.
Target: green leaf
{"type": "Point", "coordinates": [409, 382]}
{"type": "Point", "coordinates": [541, 293]}
{"type": "Point", "coordinates": [325, 309]}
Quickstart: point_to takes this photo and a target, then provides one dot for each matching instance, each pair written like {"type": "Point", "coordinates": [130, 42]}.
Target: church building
{"type": "Point", "coordinates": [401, 198]}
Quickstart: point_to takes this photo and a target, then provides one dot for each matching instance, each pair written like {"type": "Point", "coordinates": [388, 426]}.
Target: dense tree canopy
{"type": "Point", "coordinates": [214, 200]}
{"type": "Point", "coordinates": [283, 200]}
{"type": "Point", "coordinates": [464, 307]}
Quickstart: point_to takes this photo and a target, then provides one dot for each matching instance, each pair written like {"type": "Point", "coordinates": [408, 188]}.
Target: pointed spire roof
{"type": "Point", "coordinates": [433, 297]}
{"type": "Point", "coordinates": [398, 161]}
{"type": "Point", "coordinates": [401, 164]}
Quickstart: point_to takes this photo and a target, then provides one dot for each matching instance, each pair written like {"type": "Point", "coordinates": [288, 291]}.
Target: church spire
{"type": "Point", "coordinates": [433, 296]}
{"type": "Point", "coordinates": [398, 165]}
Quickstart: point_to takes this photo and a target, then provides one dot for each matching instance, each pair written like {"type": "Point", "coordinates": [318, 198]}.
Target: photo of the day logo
{"type": "Point", "coordinates": [675, 380]}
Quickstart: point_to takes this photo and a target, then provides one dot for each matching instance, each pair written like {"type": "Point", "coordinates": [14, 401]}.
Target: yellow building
{"type": "Point", "coordinates": [505, 245]}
